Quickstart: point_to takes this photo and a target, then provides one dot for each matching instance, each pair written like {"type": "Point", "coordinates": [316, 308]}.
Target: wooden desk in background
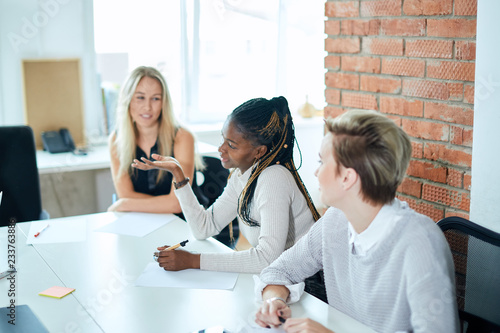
{"type": "Point", "coordinates": [82, 184]}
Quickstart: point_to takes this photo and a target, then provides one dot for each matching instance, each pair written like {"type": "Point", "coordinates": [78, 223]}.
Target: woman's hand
{"type": "Point", "coordinates": [167, 163]}
{"type": "Point", "coordinates": [272, 313]}
{"type": "Point", "coordinates": [177, 260]}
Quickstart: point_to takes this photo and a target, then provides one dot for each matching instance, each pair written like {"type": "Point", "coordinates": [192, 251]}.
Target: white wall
{"type": "Point", "coordinates": [64, 29]}
{"type": "Point", "coordinates": [485, 187]}
{"type": "Point", "coordinates": [46, 29]}
{"type": "Point", "coordinates": [309, 134]}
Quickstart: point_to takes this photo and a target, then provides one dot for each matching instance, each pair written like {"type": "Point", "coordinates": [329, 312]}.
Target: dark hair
{"type": "Point", "coordinates": [269, 123]}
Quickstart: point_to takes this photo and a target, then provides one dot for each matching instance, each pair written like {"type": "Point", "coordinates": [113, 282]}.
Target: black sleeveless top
{"type": "Point", "coordinates": [145, 181]}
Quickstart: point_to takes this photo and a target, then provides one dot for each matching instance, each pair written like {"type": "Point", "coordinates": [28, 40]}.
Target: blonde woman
{"type": "Point", "coordinates": [146, 126]}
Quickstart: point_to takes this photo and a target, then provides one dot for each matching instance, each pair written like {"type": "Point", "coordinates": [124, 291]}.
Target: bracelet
{"type": "Point", "coordinates": [276, 299]}
{"type": "Point", "coordinates": [181, 183]}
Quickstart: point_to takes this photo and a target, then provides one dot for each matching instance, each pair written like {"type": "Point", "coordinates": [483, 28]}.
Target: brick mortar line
{"type": "Point", "coordinates": [402, 17]}
{"type": "Point", "coordinates": [432, 203]}
{"type": "Point", "coordinates": [434, 38]}
{"type": "Point", "coordinates": [430, 120]}
{"type": "Point", "coordinates": [363, 54]}
{"type": "Point", "coordinates": [418, 98]}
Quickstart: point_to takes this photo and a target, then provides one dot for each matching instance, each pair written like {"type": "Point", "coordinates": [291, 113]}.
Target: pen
{"type": "Point", "coordinates": [173, 247]}
{"type": "Point", "coordinates": [7, 273]}
{"type": "Point", "coordinates": [38, 233]}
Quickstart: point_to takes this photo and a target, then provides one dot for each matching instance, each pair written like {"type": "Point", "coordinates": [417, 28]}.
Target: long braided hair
{"type": "Point", "coordinates": [269, 123]}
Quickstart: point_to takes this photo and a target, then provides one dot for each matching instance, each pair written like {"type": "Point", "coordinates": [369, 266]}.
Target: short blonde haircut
{"type": "Point", "coordinates": [375, 147]}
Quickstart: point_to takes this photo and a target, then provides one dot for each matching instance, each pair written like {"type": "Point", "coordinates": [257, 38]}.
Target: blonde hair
{"type": "Point", "coordinates": [375, 147]}
{"type": "Point", "coordinates": [126, 130]}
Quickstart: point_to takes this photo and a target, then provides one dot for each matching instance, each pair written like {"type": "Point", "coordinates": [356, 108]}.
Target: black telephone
{"type": "Point", "coordinates": [59, 142]}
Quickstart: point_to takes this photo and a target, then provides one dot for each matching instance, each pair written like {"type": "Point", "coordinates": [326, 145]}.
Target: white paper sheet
{"type": "Point", "coordinates": [254, 328]}
{"type": "Point", "coordinates": [59, 231]}
{"type": "Point", "coordinates": [155, 276]}
{"type": "Point", "coordinates": [136, 224]}
{"type": "Point", "coordinates": [247, 329]}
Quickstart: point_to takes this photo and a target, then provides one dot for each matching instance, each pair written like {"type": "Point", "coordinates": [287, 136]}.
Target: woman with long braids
{"type": "Point", "coordinates": [264, 191]}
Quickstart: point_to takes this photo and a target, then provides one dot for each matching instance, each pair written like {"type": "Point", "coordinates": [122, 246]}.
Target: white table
{"type": "Point", "coordinates": [104, 268]}
{"type": "Point", "coordinates": [34, 276]}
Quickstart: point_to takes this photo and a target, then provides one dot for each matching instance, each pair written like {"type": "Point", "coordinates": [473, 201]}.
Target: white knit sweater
{"type": "Point", "coordinates": [405, 282]}
{"type": "Point", "coordinates": [278, 206]}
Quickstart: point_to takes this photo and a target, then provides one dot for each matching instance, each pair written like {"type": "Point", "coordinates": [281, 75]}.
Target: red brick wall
{"type": "Point", "coordinates": [413, 60]}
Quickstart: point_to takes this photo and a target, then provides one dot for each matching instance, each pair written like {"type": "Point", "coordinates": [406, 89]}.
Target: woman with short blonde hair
{"type": "Point", "coordinates": [384, 264]}
{"type": "Point", "coordinates": [378, 150]}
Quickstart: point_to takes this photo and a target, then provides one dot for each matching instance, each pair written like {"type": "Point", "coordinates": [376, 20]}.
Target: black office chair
{"type": "Point", "coordinates": [211, 183]}
{"type": "Point", "coordinates": [19, 180]}
{"type": "Point", "coordinates": [476, 255]}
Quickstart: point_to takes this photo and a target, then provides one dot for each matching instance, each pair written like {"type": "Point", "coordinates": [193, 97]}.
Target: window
{"type": "Point", "coordinates": [216, 54]}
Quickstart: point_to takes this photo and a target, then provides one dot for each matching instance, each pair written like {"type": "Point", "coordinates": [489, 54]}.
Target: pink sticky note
{"type": "Point", "coordinates": [56, 292]}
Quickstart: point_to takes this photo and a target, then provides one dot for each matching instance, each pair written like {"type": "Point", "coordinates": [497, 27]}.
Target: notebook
{"type": "Point", "coordinates": [56, 292]}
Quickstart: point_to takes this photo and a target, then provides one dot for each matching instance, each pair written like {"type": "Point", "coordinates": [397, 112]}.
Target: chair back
{"type": "Point", "coordinates": [476, 255]}
{"type": "Point", "coordinates": [19, 180]}
{"type": "Point", "coordinates": [213, 179]}
{"type": "Point", "coordinates": [211, 183]}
